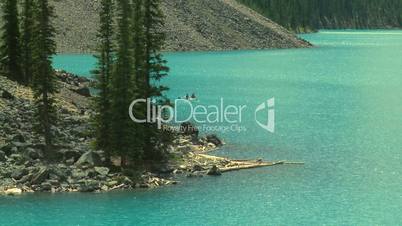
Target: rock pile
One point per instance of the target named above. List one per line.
(77, 84)
(202, 25)
(24, 162)
(26, 165)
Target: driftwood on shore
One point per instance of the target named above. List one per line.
(246, 166)
(227, 165)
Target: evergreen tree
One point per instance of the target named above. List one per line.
(138, 42)
(138, 66)
(44, 84)
(10, 51)
(103, 75)
(154, 70)
(123, 131)
(27, 40)
(138, 47)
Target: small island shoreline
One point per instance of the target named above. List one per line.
(23, 164)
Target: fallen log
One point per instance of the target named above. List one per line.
(294, 163)
(117, 187)
(249, 166)
(212, 157)
(235, 165)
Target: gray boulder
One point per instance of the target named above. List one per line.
(89, 158)
(103, 171)
(61, 172)
(19, 173)
(2, 156)
(8, 149)
(40, 176)
(78, 174)
(112, 183)
(17, 158)
(84, 91)
(214, 171)
(195, 174)
(214, 140)
(70, 154)
(88, 185)
(55, 183)
(19, 138)
(70, 161)
(34, 154)
(25, 179)
(197, 168)
(7, 95)
(46, 186)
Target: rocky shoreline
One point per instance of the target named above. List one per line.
(77, 168)
(23, 167)
(26, 172)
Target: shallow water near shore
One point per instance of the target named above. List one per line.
(338, 109)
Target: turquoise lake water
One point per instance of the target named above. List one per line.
(338, 109)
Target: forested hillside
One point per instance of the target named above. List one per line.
(307, 15)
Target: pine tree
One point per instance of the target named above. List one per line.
(138, 47)
(103, 75)
(27, 40)
(138, 66)
(123, 131)
(10, 51)
(44, 84)
(138, 41)
(154, 70)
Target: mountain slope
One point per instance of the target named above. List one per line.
(190, 25)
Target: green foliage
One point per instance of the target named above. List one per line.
(103, 75)
(154, 69)
(138, 42)
(306, 15)
(10, 51)
(138, 67)
(27, 40)
(44, 83)
(123, 129)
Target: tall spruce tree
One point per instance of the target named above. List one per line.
(10, 51)
(154, 69)
(27, 40)
(103, 74)
(139, 43)
(44, 84)
(138, 66)
(123, 131)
